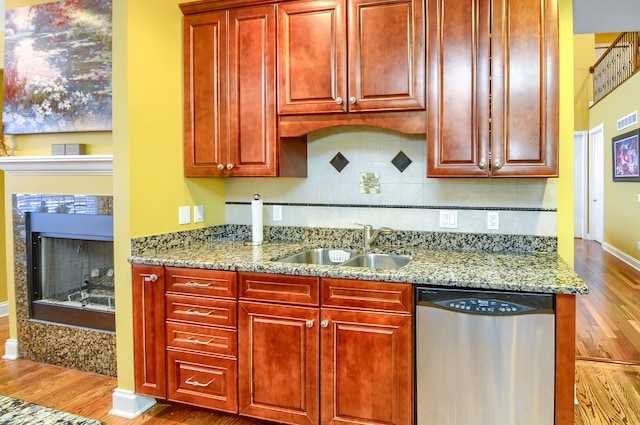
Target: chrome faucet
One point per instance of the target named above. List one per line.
(370, 235)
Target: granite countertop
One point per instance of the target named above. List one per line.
(540, 272)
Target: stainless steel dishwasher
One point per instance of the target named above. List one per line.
(484, 358)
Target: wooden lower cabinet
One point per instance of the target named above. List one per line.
(278, 362)
(148, 330)
(202, 380)
(276, 353)
(367, 368)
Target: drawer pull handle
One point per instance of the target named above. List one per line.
(309, 323)
(190, 381)
(151, 278)
(198, 342)
(197, 313)
(324, 323)
(198, 284)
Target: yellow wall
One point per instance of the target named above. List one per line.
(149, 185)
(621, 206)
(584, 46)
(4, 297)
(565, 181)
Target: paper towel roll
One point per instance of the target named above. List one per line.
(256, 220)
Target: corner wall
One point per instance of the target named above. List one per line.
(621, 206)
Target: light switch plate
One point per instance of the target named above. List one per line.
(277, 213)
(493, 220)
(449, 219)
(184, 215)
(198, 214)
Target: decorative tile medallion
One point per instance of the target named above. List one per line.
(369, 183)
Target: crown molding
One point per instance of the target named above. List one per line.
(101, 165)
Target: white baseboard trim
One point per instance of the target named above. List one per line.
(10, 349)
(622, 256)
(127, 404)
(4, 309)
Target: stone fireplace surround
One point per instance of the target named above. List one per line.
(72, 347)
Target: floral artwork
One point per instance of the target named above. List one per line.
(57, 75)
(625, 157)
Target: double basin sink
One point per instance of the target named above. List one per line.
(347, 258)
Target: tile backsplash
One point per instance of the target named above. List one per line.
(403, 200)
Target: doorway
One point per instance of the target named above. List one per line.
(596, 184)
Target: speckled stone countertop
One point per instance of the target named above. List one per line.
(516, 268)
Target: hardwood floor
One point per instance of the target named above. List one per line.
(607, 367)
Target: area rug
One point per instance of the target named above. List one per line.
(19, 412)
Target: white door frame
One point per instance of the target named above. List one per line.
(581, 184)
(596, 183)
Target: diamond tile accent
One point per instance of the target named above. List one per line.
(339, 162)
(401, 161)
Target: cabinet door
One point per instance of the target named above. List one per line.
(278, 362)
(386, 54)
(312, 49)
(366, 357)
(525, 88)
(458, 88)
(148, 330)
(252, 113)
(205, 94)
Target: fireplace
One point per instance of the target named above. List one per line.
(70, 273)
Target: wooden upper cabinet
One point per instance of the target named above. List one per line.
(252, 96)
(206, 132)
(230, 126)
(492, 88)
(362, 55)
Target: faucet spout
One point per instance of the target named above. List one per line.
(371, 235)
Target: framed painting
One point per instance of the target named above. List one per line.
(57, 75)
(625, 157)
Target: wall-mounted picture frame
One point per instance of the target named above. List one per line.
(626, 157)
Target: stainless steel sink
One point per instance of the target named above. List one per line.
(378, 261)
(320, 256)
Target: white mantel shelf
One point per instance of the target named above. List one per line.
(58, 165)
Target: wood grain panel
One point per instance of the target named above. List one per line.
(213, 283)
(208, 340)
(290, 289)
(202, 380)
(206, 311)
(368, 295)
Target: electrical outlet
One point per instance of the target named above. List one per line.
(449, 219)
(184, 215)
(198, 214)
(638, 244)
(277, 213)
(638, 197)
(493, 220)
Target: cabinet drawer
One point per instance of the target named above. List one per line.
(214, 283)
(367, 295)
(288, 289)
(206, 339)
(200, 380)
(207, 311)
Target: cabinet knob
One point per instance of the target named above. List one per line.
(229, 166)
(339, 100)
(220, 167)
(482, 165)
(153, 277)
(309, 323)
(324, 323)
(497, 165)
(353, 100)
